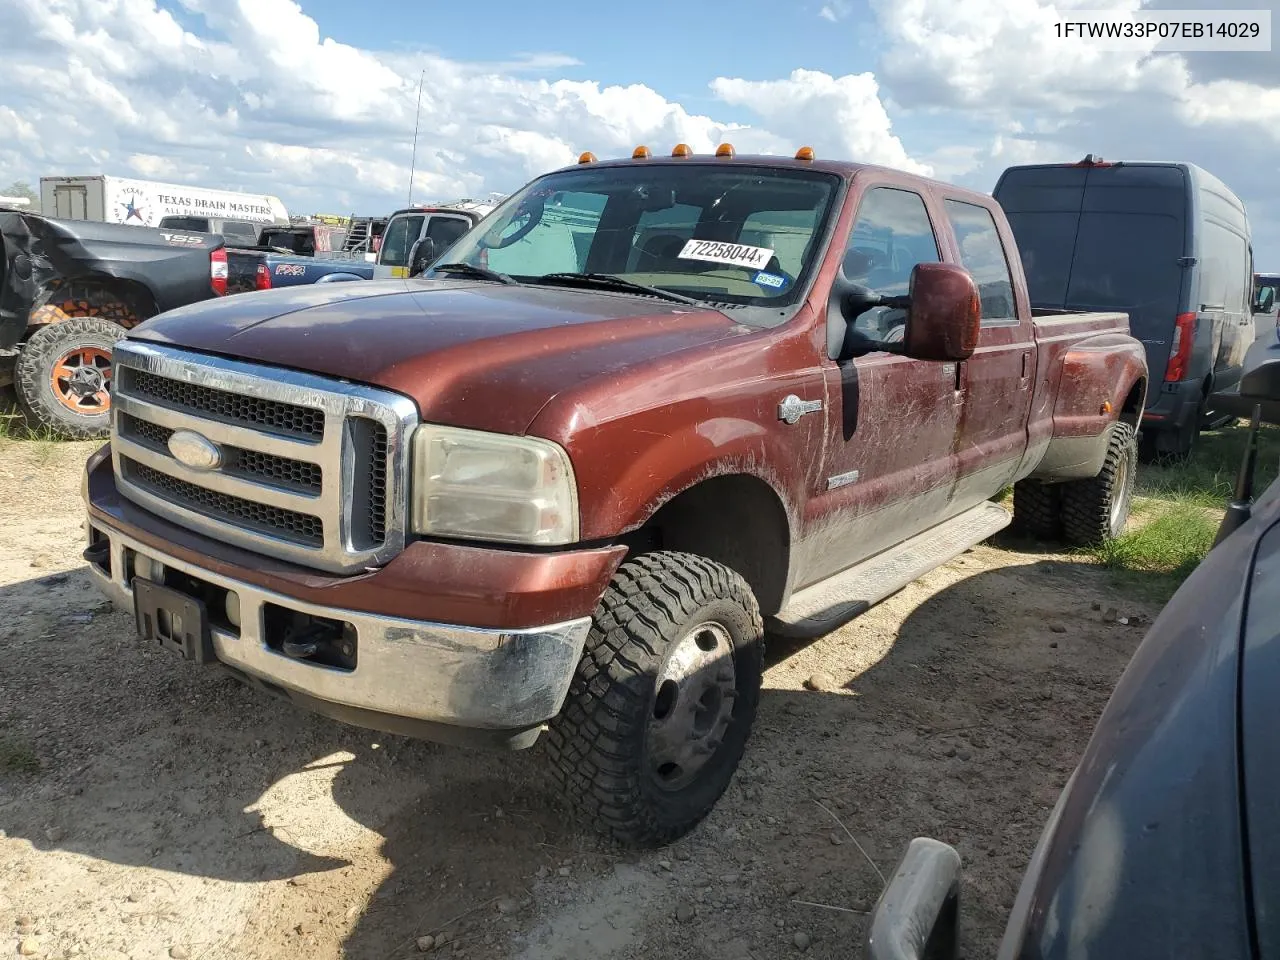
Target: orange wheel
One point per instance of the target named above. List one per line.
(63, 377)
(81, 380)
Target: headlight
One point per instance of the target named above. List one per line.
(487, 486)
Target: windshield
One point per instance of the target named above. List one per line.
(735, 236)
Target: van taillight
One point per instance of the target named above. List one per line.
(218, 271)
(262, 279)
(1184, 335)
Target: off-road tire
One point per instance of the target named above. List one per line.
(1087, 505)
(33, 376)
(598, 742)
(1037, 509)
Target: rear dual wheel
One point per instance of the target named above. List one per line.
(1086, 512)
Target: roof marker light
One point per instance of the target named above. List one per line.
(640, 153)
(804, 153)
(725, 150)
(587, 157)
(682, 150)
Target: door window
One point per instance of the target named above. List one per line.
(401, 234)
(446, 230)
(890, 236)
(982, 254)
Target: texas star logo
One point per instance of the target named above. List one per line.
(132, 210)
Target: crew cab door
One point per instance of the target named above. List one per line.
(995, 384)
(888, 470)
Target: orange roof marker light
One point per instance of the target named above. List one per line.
(725, 150)
(682, 150)
(640, 153)
(587, 157)
(804, 153)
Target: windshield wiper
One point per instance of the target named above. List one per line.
(607, 281)
(481, 273)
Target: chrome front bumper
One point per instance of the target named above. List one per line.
(429, 673)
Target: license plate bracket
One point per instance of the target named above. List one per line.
(175, 621)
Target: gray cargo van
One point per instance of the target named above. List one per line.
(1166, 242)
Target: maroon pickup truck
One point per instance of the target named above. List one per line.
(563, 484)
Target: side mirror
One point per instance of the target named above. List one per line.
(1259, 398)
(1259, 388)
(943, 313)
(422, 256)
(1265, 302)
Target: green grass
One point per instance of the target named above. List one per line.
(17, 756)
(1209, 478)
(1177, 508)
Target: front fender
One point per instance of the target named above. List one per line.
(719, 447)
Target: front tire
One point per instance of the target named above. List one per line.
(661, 705)
(63, 377)
(1097, 509)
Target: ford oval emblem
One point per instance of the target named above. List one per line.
(194, 451)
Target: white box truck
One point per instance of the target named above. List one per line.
(144, 203)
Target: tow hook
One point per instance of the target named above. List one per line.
(305, 644)
(97, 553)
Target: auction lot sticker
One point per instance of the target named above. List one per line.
(734, 254)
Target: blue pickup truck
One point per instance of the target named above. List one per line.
(258, 268)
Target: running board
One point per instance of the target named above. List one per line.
(831, 603)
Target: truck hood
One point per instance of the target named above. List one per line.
(472, 354)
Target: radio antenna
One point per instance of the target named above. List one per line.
(413, 162)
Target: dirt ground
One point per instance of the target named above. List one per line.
(150, 810)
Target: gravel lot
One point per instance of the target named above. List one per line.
(151, 810)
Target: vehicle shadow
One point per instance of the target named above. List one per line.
(958, 713)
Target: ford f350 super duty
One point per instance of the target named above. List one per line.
(562, 485)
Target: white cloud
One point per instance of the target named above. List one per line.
(996, 56)
(836, 11)
(843, 115)
(998, 65)
(257, 98)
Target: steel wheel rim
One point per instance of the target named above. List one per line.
(1120, 502)
(81, 380)
(692, 706)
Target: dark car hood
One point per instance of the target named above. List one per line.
(1144, 857)
(480, 355)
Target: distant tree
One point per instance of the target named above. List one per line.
(20, 188)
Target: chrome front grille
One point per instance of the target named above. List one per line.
(311, 469)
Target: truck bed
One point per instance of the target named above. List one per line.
(286, 269)
(1055, 325)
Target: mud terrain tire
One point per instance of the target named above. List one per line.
(1037, 509)
(1096, 510)
(661, 705)
(57, 372)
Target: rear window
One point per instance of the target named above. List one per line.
(1095, 237)
(1125, 260)
(195, 224)
(240, 231)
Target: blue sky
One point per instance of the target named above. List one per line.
(313, 100)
